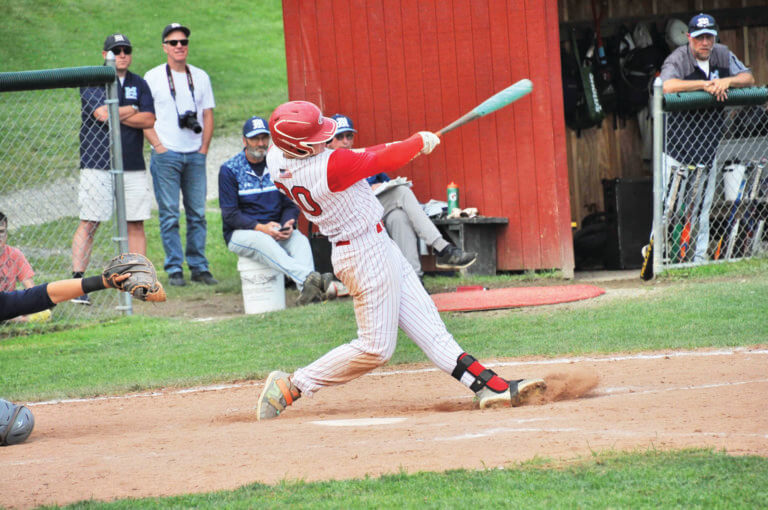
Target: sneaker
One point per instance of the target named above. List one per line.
(519, 392)
(177, 279)
(83, 300)
(312, 289)
(278, 393)
(333, 288)
(455, 258)
(204, 277)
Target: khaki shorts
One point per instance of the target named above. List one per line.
(96, 196)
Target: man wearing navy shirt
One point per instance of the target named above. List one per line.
(96, 192)
(259, 221)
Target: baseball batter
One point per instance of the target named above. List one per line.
(329, 187)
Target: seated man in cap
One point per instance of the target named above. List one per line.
(693, 136)
(259, 222)
(404, 217)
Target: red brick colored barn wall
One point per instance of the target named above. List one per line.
(400, 66)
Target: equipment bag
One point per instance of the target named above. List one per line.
(582, 103)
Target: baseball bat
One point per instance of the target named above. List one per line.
(753, 206)
(738, 215)
(757, 238)
(497, 101)
(679, 214)
(739, 218)
(731, 216)
(646, 271)
(685, 235)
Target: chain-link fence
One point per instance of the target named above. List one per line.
(46, 136)
(711, 180)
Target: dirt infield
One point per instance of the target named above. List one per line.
(413, 418)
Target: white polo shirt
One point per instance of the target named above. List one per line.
(167, 112)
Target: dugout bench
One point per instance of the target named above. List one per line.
(476, 234)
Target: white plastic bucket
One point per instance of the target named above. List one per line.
(263, 287)
(732, 176)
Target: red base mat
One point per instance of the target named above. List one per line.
(512, 297)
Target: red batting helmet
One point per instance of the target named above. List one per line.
(297, 124)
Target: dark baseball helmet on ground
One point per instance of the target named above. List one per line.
(16, 423)
(296, 125)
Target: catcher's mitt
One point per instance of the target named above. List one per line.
(142, 284)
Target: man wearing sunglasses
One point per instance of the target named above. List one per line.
(96, 194)
(404, 217)
(180, 139)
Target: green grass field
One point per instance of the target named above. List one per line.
(241, 46)
(650, 479)
(687, 311)
(239, 43)
(97, 359)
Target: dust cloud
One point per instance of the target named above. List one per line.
(569, 385)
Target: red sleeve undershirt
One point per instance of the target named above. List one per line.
(346, 167)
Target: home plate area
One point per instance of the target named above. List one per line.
(405, 418)
(467, 299)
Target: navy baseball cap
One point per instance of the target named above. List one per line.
(255, 126)
(175, 26)
(343, 124)
(702, 24)
(115, 40)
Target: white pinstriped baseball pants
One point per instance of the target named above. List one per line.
(387, 294)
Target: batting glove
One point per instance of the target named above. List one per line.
(430, 139)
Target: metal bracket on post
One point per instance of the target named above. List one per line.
(116, 153)
(659, 237)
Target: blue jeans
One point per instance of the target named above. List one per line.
(292, 257)
(173, 172)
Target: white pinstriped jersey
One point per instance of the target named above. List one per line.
(340, 215)
(385, 289)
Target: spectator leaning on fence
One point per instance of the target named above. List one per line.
(692, 137)
(96, 193)
(404, 217)
(180, 139)
(259, 221)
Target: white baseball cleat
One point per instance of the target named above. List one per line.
(519, 393)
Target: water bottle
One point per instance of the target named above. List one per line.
(453, 196)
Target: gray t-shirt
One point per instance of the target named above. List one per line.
(693, 136)
(681, 64)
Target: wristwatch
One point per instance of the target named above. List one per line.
(135, 108)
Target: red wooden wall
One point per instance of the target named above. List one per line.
(401, 66)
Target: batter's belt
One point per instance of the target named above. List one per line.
(379, 228)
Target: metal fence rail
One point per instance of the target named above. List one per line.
(710, 176)
(40, 124)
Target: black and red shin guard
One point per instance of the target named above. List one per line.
(483, 377)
